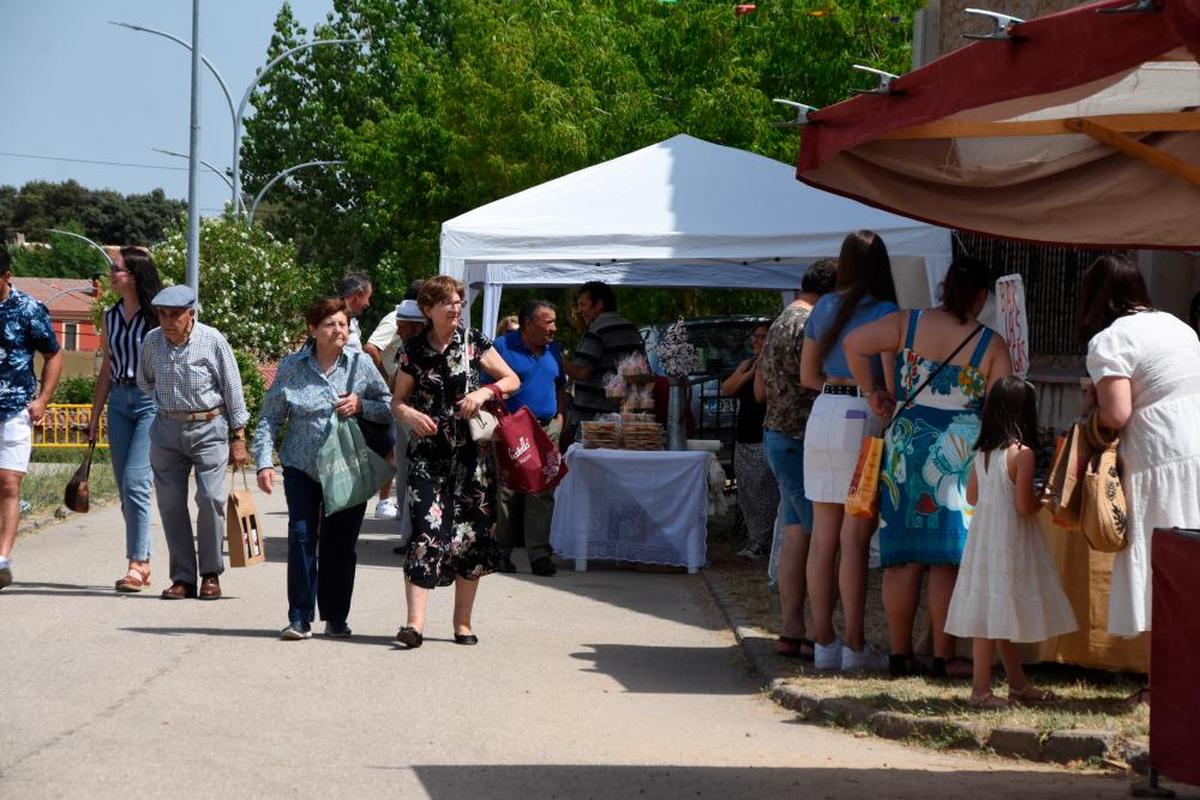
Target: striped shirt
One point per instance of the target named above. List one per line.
(197, 375)
(125, 341)
(608, 339)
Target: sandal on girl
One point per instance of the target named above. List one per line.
(1030, 695)
(794, 647)
(987, 702)
(135, 580)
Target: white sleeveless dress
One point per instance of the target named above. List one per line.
(1008, 586)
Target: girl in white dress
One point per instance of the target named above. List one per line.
(1007, 589)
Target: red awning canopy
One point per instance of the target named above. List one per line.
(1080, 129)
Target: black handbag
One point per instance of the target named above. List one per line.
(377, 435)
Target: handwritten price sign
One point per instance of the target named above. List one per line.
(1010, 299)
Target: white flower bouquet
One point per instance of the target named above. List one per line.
(677, 354)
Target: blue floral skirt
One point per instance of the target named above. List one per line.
(923, 510)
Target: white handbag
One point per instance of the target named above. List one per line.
(483, 424)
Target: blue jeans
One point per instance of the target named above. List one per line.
(785, 455)
(322, 552)
(130, 412)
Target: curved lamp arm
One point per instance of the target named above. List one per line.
(258, 197)
(103, 252)
(204, 58)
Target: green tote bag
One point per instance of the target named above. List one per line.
(350, 472)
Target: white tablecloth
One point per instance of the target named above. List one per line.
(629, 505)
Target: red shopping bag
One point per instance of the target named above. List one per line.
(529, 460)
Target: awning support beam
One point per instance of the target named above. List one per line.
(1143, 152)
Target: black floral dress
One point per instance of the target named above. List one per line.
(451, 476)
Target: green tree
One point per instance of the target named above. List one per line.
(457, 103)
(59, 257)
(102, 215)
(251, 288)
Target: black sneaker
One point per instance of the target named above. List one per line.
(543, 566)
(339, 630)
(506, 563)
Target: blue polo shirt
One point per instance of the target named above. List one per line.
(540, 375)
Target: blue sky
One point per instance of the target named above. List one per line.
(73, 86)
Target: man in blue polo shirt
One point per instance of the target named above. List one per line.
(533, 354)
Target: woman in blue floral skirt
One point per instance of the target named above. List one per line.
(929, 449)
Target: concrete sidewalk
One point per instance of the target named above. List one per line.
(601, 684)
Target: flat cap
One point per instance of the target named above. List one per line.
(409, 311)
(180, 296)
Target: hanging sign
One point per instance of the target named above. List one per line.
(1014, 324)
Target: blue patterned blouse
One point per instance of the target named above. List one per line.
(303, 397)
(24, 329)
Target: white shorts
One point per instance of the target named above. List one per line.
(16, 442)
(832, 440)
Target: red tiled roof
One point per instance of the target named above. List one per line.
(268, 372)
(67, 298)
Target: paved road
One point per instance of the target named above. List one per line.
(602, 684)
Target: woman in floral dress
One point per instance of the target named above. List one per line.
(451, 477)
(929, 449)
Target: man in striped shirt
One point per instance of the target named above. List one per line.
(608, 339)
(189, 370)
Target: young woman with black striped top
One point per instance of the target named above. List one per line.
(130, 410)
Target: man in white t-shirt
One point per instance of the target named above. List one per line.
(385, 344)
(355, 288)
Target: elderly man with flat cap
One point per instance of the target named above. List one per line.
(188, 369)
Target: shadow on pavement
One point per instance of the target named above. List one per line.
(371, 552)
(598, 781)
(260, 633)
(71, 590)
(671, 670)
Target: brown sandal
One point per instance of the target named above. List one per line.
(1030, 695)
(134, 581)
(987, 702)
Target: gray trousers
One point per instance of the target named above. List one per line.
(175, 449)
(530, 513)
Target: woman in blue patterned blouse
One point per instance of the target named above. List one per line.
(310, 385)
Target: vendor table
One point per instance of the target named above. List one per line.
(627, 505)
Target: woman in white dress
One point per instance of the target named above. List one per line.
(1145, 366)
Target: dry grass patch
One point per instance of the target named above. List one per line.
(1092, 700)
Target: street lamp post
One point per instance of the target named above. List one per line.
(237, 114)
(258, 197)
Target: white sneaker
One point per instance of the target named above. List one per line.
(828, 656)
(5, 572)
(385, 509)
(866, 660)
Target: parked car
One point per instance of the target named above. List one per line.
(721, 344)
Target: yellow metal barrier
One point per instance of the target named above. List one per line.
(66, 424)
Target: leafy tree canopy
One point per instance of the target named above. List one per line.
(456, 103)
(105, 216)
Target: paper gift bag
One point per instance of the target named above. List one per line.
(862, 500)
(1063, 493)
(241, 529)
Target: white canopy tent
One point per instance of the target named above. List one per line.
(683, 212)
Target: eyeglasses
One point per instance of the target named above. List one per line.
(451, 304)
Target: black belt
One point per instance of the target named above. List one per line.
(849, 390)
(124, 381)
